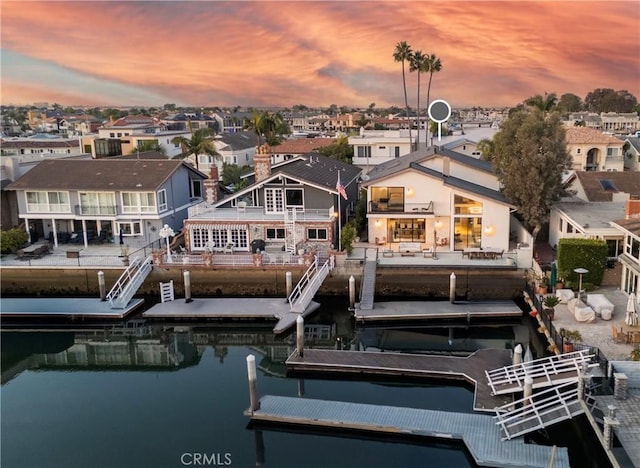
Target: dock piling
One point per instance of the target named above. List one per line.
(300, 387)
(300, 335)
(102, 286)
(187, 286)
(528, 390)
(352, 292)
(517, 355)
(253, 383)
(452, 288)
(289, 282)
(259, 448)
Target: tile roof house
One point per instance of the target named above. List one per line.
(288, 207)
(437, 197)
(101, 198)
(592, 150)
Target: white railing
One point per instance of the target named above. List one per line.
(539, 410)
(129, 282)
(257, 213)
(309, 284)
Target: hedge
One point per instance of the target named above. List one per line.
(590, 254)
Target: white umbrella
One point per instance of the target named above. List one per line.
(632, 314)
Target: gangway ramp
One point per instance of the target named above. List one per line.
(368, 287)
(540, 410)
(308, 286)
(544, 372)
(129, 282)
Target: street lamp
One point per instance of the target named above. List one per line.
(165, 233)
(580, 271)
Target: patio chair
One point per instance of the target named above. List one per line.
(618, 335)
(228, 248)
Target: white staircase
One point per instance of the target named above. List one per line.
(129, 282)
(290, 240)
(539, 411)
(544, 372)
(308, 285)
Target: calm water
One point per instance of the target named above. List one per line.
(162, 397)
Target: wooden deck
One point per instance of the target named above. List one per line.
(63, 308)
(434, 310)
(470, 369)
(231, 309)
(479, 432)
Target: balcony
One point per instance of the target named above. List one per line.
(204, 211)
(383, 205)
(95, 210)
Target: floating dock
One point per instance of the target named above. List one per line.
(470, 369)
(479, 432)
(231, 309)
(438, 310)
(64, 308)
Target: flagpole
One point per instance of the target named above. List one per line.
(339, 217)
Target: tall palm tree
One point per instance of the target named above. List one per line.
(199, 143)
(148, 145)
(402, 53)
(545, 103)
(433, 65)
(418, 63)
(268, 125)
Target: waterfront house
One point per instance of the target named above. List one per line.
(290, 149)
(438, 197)
(373, 147)
(592, 150)
(285, 207)
(630, 256)
(96, 200)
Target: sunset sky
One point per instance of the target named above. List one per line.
(273, 53)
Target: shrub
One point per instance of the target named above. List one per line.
(347, 236)
(582, 253)
(12, 240)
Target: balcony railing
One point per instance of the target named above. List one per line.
(93, 210)
(253, 213)
(383, 206)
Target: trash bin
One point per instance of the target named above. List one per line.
(257, 245)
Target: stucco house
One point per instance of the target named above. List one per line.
(292, 148)
(629, 226)
(373, 147)
(287, 207)
(592, 150)
(98, 199)
(439, 197)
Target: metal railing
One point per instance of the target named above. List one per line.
(308, 285)
(410, 208)
(129, 282)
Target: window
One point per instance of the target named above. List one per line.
(48, 202)
(133, 228)
(578, 151)
(396, 152)
(275, 233)
(138, 202)
(317, 234)
(382, 147)
(97, 203)
(612, 152)
(295, 198)
(199, 238)
(463, 205)
(364, 151)
(162, 200)
(196, 188)
(274, 202)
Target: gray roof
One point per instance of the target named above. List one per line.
(239, 140)
(635, 142)
(592, 215)
(320, 170)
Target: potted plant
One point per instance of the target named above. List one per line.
(569, 338)
(124, 254)
(537, 281)
(560, 283)
(550, 302)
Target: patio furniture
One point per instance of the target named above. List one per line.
(409, 249)
(618, 335)
(602, 306)
(228, 248)
(427, 253)
(581, 311)
(565, 295)
(387, 253)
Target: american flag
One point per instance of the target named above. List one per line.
(340, 188)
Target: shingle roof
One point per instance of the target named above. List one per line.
(301, 146)
(52, 143)
(98, 174)
(628, 182)
(635, 142)
(632, 225)
(238, 140)
(586, 135)
(320, 170)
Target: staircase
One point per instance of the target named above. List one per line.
(129, 282)
(308, 285)
(368, 288)
(290, 240)
(539, 411)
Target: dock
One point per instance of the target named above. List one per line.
(470, 369)
(231, 309)
(437, 310)
(479, 432)
(64, 308)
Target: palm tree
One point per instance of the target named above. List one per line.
(148, 145)
(199, 143)
(401, 53)
(268, 125)
(433, 65)
(545, 103)
(418, 63)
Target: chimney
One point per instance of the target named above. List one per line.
(445, 166)
(211, 185)
(262, 164)
(632, 209)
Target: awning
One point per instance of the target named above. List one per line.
(221, 227)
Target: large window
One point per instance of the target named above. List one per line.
(466, 206)
(317, 234)
(162, 200)
(133, 228)
(385, 199)
(364, 151)
(407, 230)
(275, 233)
(138, 202)
(97, 203)
(196, 188)
(48, 202)
(295, 198)
(274, 202)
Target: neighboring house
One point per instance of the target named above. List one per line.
(101, 198)
(236, 148)
(630, 256)
(290, 149)
(599, 198)
(232, 122)
(41, 145)
(438, 196)
(592, 150)
(632, 154)
(373, 147)
(290, 207)
(611, 122)
(184, 122)
(466, 141)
